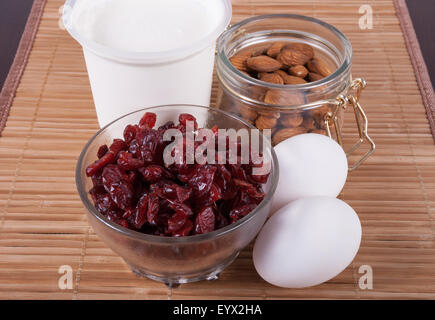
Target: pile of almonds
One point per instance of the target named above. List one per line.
(283, 63)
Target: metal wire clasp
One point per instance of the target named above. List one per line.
(331, 120)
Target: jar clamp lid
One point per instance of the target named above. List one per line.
(331, 120)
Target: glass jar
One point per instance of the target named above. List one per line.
(289, 110)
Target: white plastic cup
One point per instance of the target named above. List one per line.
(123, 81)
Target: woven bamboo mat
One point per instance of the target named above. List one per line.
(43, 225)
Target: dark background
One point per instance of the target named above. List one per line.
(13, 16)
(422, 13)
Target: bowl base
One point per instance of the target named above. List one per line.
(174, 282)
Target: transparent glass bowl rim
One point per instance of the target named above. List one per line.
(345, 65)
(273, 178)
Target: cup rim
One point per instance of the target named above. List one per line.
(344, 66)
(274, 176)
(146, 57)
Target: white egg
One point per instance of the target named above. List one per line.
(309, 165)
(307, 242)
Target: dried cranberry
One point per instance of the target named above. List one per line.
(97, 179)
(166, 126)
(146, 155)
(224, 180)
(100, 164)
(205, 221)
(153, 208)
(181, 208)
(215, 193)
(148, 120)
(202, 180)
(215, 129)
(130, 133)
(102, 200)
(105, 204)
(169, 190)
(184, 230)
(134, 148)
(123, 223)
(241, 211)
(115, 217)
(117, 146)
(152, 141)
(132, 177)
(127, 162)
(260, 178)
(251, 189)
(118, 186)
(102, 151)
(111, 174)
(139, 217)
(128, 213)
(154, 173)
(176, 221)
(184, 171)
(237, 172)
(122, 194)
(185, 117)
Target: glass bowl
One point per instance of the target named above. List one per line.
(168, 259)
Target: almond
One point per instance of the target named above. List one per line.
(270, 114)
(304, 48)
(263, 64)
(275, 49)
(239, 62)
(245, 52)
(318, 115)
(282, 73)
(293, 80)
(274, 96)
(286, 133)
(309, 123)
(247, 112)
(289, 57)
(298, 71)
(271, 77)
(261, 50)
(256, 92)
(291, 120)
(319, 66)
(282, 98)
(314, 77)
(263, 122)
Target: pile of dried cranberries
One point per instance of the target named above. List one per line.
(133, 187)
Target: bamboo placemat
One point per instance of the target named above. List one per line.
(43, 225)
